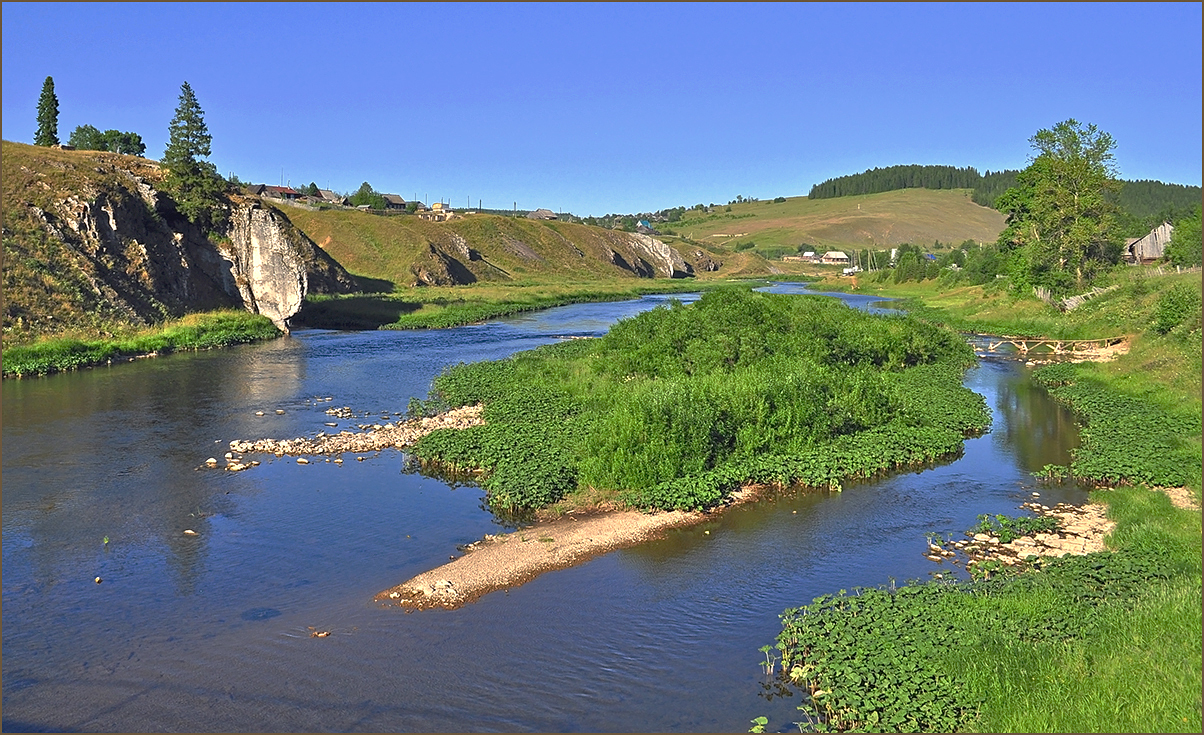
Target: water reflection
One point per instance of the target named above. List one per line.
(1037, 433)
(210, 632)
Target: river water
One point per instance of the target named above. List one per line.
(211, 632)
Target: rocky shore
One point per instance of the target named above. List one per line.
(376, 437)
(1081, 530)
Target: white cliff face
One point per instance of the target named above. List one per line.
(114, 248)
(272, 265)
(667, 261)
(265, 266)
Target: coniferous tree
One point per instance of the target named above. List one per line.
(193, 182)
(48, 116)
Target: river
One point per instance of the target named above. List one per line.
(212, 631)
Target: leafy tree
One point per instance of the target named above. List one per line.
(121, 142)
(1186, 247)
(88, 138)
(194, 183)
(48, 115)
(311, 190)
(369, 196)
(1061, 215)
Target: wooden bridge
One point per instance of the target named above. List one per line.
(1056, 346)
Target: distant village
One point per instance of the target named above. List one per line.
(393, 204)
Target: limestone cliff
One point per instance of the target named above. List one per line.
(272, 265)
(90, 242)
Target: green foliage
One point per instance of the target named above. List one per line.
(194, 183)
(1146, 204)
(1009, 529)
(88, 138)
(891, 178)
(1176, 306)
(1061, 219)
(366, 195)
(48, 115)
(886, 660)
(1126, 439)
(205, 331)
(1186, 247)
(678, 406)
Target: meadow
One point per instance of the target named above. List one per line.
(193, 332)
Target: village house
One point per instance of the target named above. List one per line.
(438, 212)
(394, 202)
(330, 197)
(275, 192)
(835, 257)
(1149, 248)
(541, 214)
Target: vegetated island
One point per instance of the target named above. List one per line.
(680, 410)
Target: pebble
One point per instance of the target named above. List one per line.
(280, 412)
(212, 461)
(302, 460)
(189, 532)
(259, 413)
(98, 580)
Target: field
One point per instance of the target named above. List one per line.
(884, 220)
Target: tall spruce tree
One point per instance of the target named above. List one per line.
(193, 182)
(48, 115)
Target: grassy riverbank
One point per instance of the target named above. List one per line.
(193, 332)
(437, 307)
(1108, 642)
(678, 406)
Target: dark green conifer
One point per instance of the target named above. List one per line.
(48, 116)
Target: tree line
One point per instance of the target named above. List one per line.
(914, 176)
(193, 182)
(1143, 204)
(84, 137)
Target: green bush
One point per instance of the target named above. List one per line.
(1176, 306)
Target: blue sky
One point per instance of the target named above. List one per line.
(599, 108)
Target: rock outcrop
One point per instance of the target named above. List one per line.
(89, 240)
(273, 265)
(667, 261)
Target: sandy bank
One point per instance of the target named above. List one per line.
(510, 559)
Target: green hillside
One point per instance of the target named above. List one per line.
(883, 220)
(406, 251)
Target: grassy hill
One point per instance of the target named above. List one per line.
(884, 220)
(492, 248)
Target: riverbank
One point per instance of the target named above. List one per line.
(499, 562)
(1102, 641)
(440, 307)
(193, 332)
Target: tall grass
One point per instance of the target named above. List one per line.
(197, 331)
(677, 406)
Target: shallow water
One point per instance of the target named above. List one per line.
(212, 632)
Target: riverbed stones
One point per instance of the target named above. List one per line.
(374, 438)
(1082, 531)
